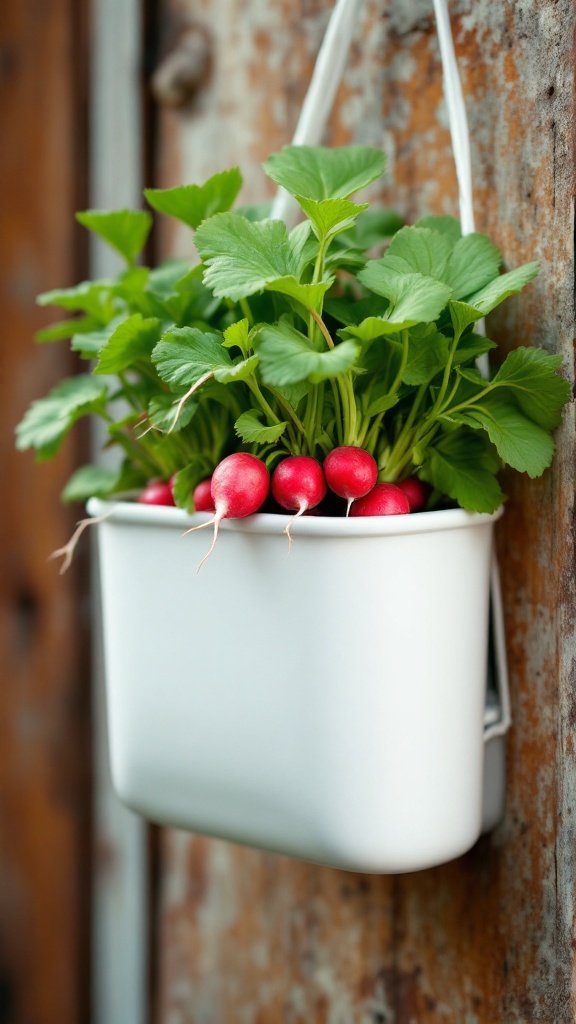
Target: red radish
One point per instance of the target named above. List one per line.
(239, 487)
(382, 500)
(156, 493)
(350, 472)
(298, 484)
(202, 496)
(416, 491)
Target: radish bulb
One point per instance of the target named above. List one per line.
(239, 487)
(157, 492)
(298, 484)
(350, 472)
(202, 496)
(382, 500)
(416, 491)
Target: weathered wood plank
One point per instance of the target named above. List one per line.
(246, 937)
(44, 711)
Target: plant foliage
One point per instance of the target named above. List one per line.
(350, 329)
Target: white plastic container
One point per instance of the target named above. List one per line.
(325, 702)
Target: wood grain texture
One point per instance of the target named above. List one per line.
(248, 938)
(44, 738)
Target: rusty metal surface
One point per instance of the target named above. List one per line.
(44, 676)
(249, 938)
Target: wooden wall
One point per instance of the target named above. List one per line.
(243, 937)
(44, 671)
(250, 938)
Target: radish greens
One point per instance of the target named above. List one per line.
(348, 330)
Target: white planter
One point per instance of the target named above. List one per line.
(325, 702)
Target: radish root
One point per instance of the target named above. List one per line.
(303, 508)
(188, 395)
(215, 522)
(67, 552)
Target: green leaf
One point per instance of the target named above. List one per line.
(330, 216)
(473, 263)
(90, 482)
(427, 354)
(287, 358)
(353, 313)
(242, 257)
(90, 344)
(308, 295)
(463, 467)
(255, 211)
(88, 297)
(184, 297)
(317, 172)
(199, 468)
(186, 354)
(131, 283)
(448, 226)
(124, 230)
(237, 336)
(521, 443)
(420, 251)
(162, 410)
(303, 245)
(539, 390)
(294, 394)
(194, 203)
(413, 299)
(372, 227)
(49, 419)
(163, 279)
(470, 347)
(381, 402)
(250, 429)
(494, 293)
(241, 370)
(462, 315)
(132, 341)
(345, 259)
(474, 376)
(65, 329)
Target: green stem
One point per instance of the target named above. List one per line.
(310, 416)
(370, 436)
(252, 384)
(405, 440)
(398, 378)
(247, 311)
(400, 466)
(129, 393)
(470, 401)
(401, 453)
(447, 371)
(148, 460)
(319, 264)
(326, 333)
(319, 412)
(349, 409)
(337, 411)
(287, 408)
(455, 387)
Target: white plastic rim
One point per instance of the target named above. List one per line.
(324, 701)
(307, 526)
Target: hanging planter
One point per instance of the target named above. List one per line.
(319, 689)
(325, 702)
